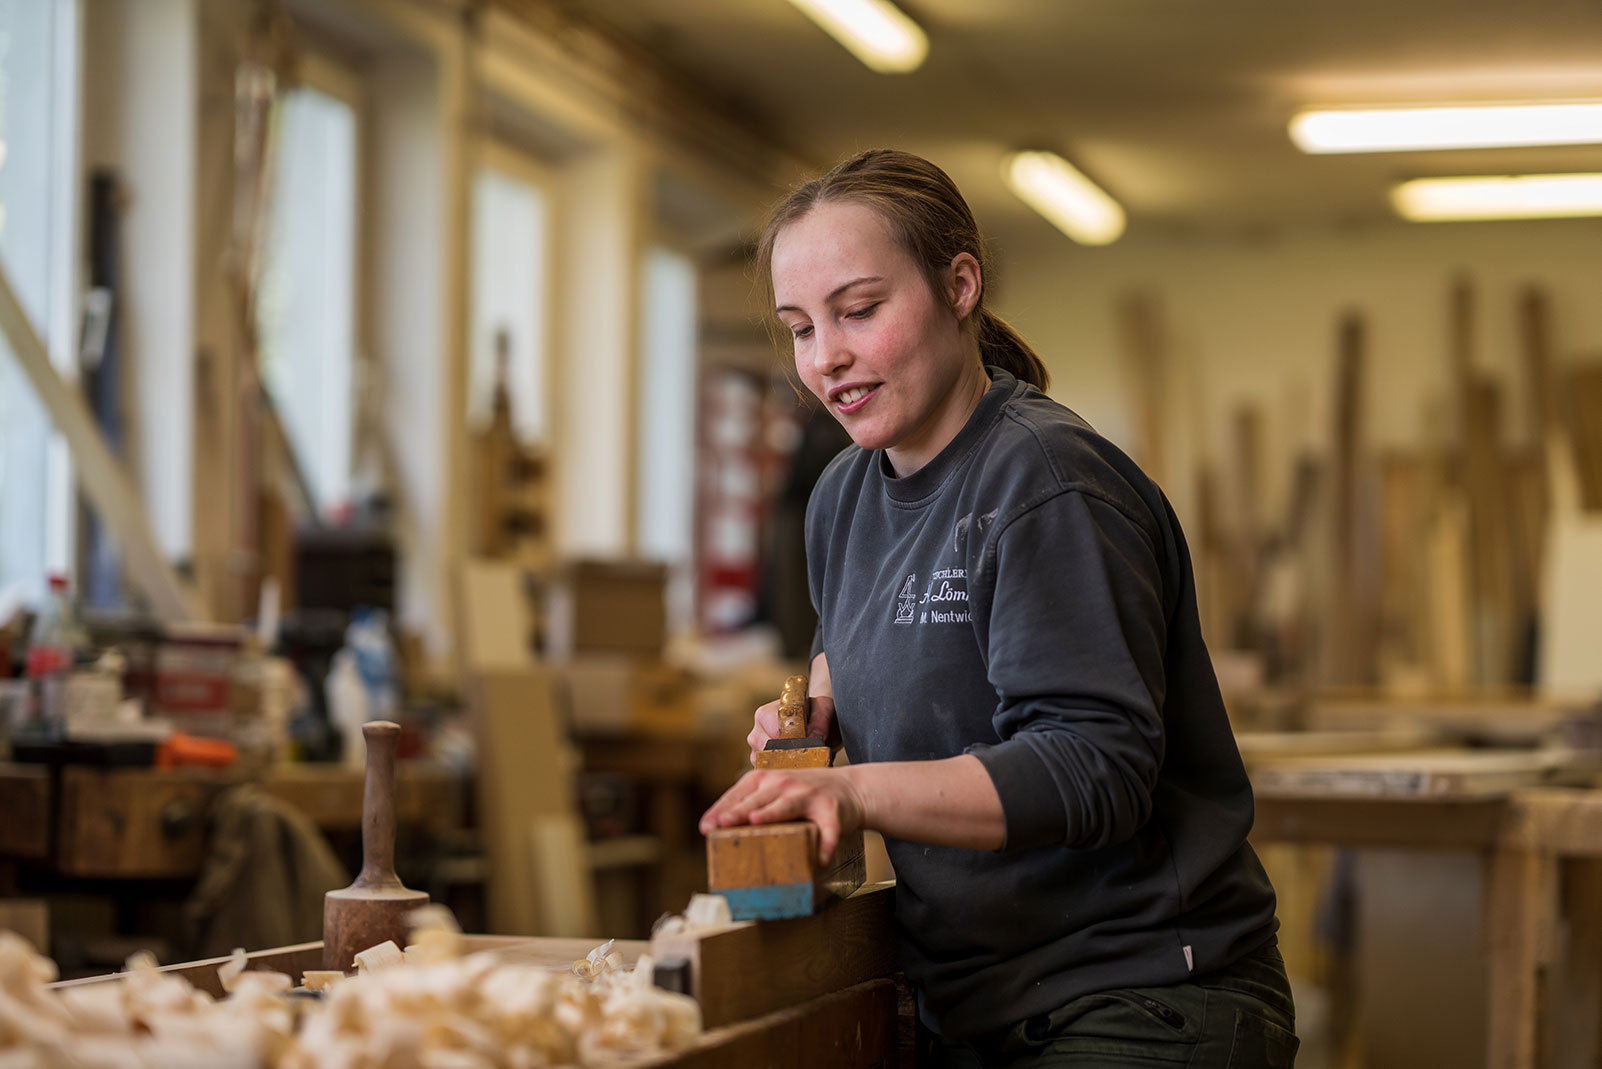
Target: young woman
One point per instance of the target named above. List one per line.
(1008, 647)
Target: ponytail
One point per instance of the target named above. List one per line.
(1002, 346)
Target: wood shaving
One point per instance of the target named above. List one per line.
(463, 1012)
(598, 961)
(704, 912)
(383, 956)
(320, 979)
(229, 970)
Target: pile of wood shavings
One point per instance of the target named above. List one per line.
(430, 1007)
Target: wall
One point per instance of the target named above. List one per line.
(1255, 321)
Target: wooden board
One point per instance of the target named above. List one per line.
(1513, 717)
(850, 1029)
(1429, 823)
(1459, 774)
(757, 967)
(1266, 746)
(1571, 612)
(854, 1027)
(525, 797)
(296, 959)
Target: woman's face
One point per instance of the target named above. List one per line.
(885, 354)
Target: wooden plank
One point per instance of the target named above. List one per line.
(25, 801)
(1521, 910)
(497, 623)
(1461, 774)
(525, 777)
(293, 960)
(753, 968)
(1144, 349)
(1264, 746)
(1511, 717)
(100, 474)
(1571, 612)
(850, 1029)
(1582, 410)
(202, 975)
(1420, 823)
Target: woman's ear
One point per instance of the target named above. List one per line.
(964, 284)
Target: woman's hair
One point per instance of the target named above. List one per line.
(928, 216)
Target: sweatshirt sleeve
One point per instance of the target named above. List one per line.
(1075, 650)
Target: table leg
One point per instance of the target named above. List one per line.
(1521, 911)
(1580, 1006)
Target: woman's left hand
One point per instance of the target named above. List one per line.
(825, 796)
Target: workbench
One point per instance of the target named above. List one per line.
(1534, 843)
(795, 994)
(145, 823)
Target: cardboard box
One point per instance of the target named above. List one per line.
(623, 694)
(608, 607)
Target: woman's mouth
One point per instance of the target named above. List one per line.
(853, 398)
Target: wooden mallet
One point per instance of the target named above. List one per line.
(770, 871)
(374, 907)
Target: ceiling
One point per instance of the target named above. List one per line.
(1178, 108)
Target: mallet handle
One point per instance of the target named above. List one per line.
(378, 806)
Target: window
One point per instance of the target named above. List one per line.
(509, 314)
(38, 72)
(665, 499)
(306, 303)
(667, 406)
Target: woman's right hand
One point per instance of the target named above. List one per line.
(820, 724)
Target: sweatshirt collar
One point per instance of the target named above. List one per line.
(912, 489)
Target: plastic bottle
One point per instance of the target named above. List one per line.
(57, 636)
(348, 707)
(367, 638)
(53, 648)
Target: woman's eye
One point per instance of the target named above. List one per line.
(864, 312)
(800, 333)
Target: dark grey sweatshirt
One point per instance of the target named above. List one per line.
(1027, 597)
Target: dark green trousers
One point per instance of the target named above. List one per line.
(1240, 1017)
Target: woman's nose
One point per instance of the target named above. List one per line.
(830, 351)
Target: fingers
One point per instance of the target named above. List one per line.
(769, 797)
(821, 722)
(765, 726)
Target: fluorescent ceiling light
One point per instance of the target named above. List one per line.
(1523, 196)
(1412, 129)
(875, 31)
(1073, 203)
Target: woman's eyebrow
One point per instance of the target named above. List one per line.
(841, 288)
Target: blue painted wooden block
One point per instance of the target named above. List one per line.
(774, 901)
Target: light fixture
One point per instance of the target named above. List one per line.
(875, 31)
(1071, 202)
(1457, 126)
(1520, 196)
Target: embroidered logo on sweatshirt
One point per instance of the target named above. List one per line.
(945, 599)
(907, 599)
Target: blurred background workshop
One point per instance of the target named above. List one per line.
(402, 360)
